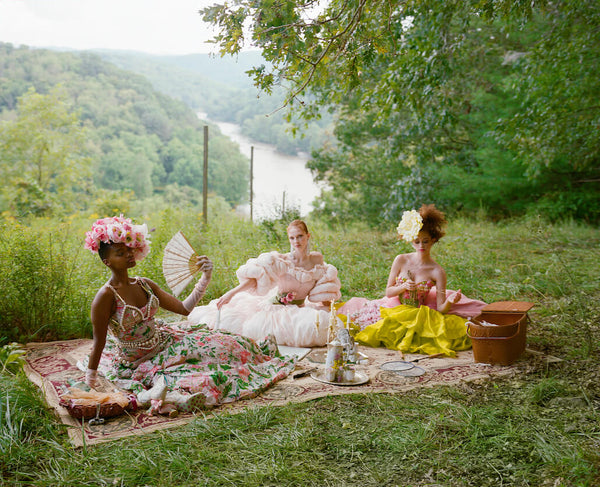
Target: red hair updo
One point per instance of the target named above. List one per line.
(433, 221)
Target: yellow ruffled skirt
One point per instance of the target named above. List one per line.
(417, 330)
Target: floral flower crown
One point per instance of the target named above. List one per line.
(117, 229)
(410, 225)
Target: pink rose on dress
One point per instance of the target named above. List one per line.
(367, 315)
(212, 394)
(244, 356)
(243, 372)
(285, 298)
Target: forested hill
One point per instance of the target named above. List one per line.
(227, 70)
(115, 131)
(221, 88)
(189, 82)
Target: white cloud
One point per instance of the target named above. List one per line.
(154, 26)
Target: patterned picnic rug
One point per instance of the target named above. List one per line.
(52, 365)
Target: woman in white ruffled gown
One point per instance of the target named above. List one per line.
(284, 295)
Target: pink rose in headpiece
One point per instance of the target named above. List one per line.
(115, 232)
(141, 235)
(130, 237)
(91, 243)
(98, 232)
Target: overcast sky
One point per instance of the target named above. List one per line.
(152, 26)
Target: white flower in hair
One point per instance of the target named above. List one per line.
(410, 225)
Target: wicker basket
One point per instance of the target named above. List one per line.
(88, 411)
(108, 410)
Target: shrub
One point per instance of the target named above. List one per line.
(41, 277)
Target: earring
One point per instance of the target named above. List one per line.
(308, 247)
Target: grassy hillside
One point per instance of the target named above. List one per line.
(540, 428)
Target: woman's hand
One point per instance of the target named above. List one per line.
(223, 300)
(206, 266)
(91, 378)
(448, 302)
(456, 298)
(199, 290)
(228, 296)
(408, 285)
(398, 289)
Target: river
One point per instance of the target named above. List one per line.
(279, 179)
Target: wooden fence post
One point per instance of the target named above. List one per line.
(251, 180)
(205, 178)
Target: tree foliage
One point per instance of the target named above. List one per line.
(470, 104)
(45, 163)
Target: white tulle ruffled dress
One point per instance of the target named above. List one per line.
(258, 314)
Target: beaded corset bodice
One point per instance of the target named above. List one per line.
(134, 329)
(415, 298)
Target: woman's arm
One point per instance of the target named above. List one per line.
(246, 285)
(443, 305)
(392, 289)
(167, 301)
(171, 303)
(101, 311)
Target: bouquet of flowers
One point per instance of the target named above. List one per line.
(284, 298)
(410, 225)
(367, 315)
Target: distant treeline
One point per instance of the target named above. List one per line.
(221, 88)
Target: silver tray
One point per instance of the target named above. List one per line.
(359, 379)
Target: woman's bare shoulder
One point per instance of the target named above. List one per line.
(402, 259)
(438, 271)
(316, 258)
(149, 282)
(104, 295)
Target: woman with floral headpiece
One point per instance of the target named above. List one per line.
(169, 367)
(285, 295)
(418, 314)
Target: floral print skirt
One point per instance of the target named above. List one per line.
(222, 366)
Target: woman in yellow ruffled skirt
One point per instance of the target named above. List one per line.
(413, 327)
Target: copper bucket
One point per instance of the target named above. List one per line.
(504, 343)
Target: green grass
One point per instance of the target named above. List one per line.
(540, 428)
